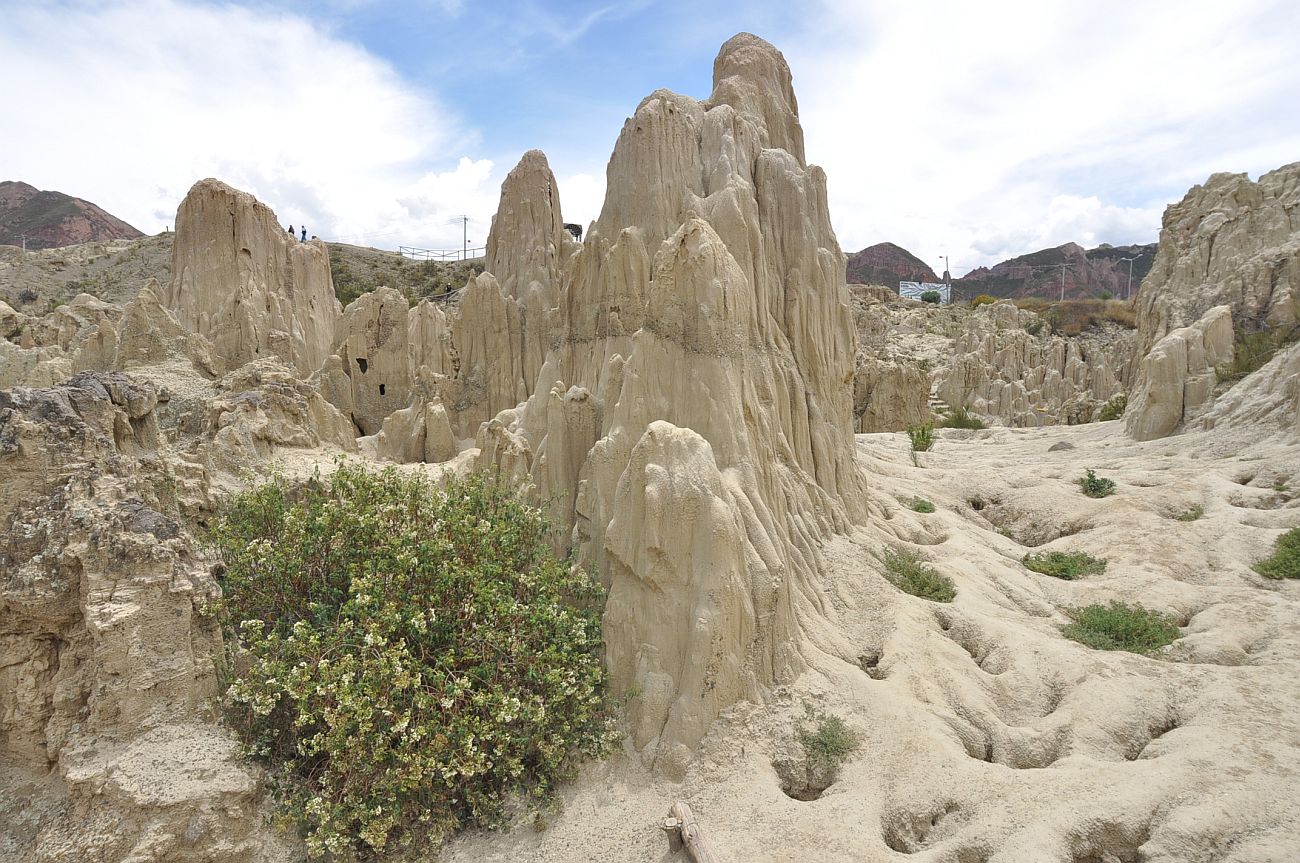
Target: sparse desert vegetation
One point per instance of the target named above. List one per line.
(909, 572)
(1067, 565)
(1284, 562)
(1096, 486)
(1121, 626)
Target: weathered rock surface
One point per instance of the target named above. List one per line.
(263, 406)
(700, 389)
(1231, 241)
(374, 353)
(240, 280)
(145, 335)
(1176, 378)
(106, 654)
(999, 369)
(889, 396)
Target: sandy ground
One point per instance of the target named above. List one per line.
(985, 734)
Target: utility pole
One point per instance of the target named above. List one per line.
(1129, 289)
(1063, 268)
(24, 242)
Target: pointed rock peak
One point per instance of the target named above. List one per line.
(526, 244)
(751, 75)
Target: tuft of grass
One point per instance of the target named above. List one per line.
(1191, 514)
(1114, 408)
(1096, 486)
(917, 504)
(909, 572)
(960, 418)
(982, 300)
(922, 437)
(1120, 626)
(1285, 560)
(825, 738)
(1068, 565)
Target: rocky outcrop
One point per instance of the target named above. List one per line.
(420, 433)
(374, 353)
(696, 407)
(1228, 242)
(146, 334)
(1176, 378)
(889, 396)
(1000, 369)
(264, 406)
(1269, 397)
(106, 649)
(241, 281)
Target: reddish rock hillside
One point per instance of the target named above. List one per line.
(52, 219)
(887, 264)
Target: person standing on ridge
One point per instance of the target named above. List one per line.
(304, 235)
(291, 230)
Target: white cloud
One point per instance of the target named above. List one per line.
(128, 104)
(984, 130)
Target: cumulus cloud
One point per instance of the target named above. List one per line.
(988, 130)
(129, 104)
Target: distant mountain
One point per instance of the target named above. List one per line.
(53, 219)
(887, 264)
(1088, 273)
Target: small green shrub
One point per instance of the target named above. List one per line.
(960, 418)
(982, 300)
(918, 504)
(909, 572)
(405, 659)
(930, 297)
(1285, 560)
(826, 739)
(1119, 626)
(1096, 486)
(1191, 514)
(1068, 565)
(922, 437)
(1035, 326)
(1114, 408)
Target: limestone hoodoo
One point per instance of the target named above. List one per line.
(695, 413)
(239, 279)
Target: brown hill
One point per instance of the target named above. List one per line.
(887, 264)
(50, 220)
(1089, 273)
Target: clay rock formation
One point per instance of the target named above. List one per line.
(1269, 397)
(263, 406)
(1176, 379)
(998, 368)
(695, 412)
(108, 652)
(1231, 241)
(420, 433)
(146, 334)
(889, 396)
(503, 324)
(242, 282)
(374, 354)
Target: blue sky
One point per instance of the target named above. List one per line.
(979, 131)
